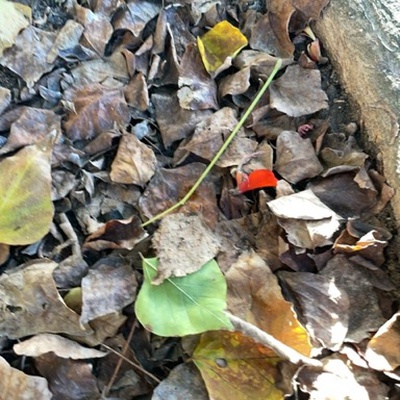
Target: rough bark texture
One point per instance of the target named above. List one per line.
(362, 38)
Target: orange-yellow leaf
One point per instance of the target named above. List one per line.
(233, 366)
(219, 46)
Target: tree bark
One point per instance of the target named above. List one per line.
(362, 38)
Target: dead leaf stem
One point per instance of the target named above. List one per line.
(221, 150)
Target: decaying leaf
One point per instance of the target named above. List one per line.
(182, 306)
(226, 360)
(26, 210)
(255, 295)
(16, 384)
(46, 342)
(31, 303)
(135, 163)
(184, 244)
(13, 18)
(219, 46)
(298, 92)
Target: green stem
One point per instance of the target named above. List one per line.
(221, 150)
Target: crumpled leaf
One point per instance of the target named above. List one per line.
(116, 234)
(27, 58)
(26, 209)
(68, 379)
(324, 306)
(31, 303)
(135, 163)
(13, 18)
(219, 46)
(197, 90)
(235, 84)
(308, 222)
(236, 367)
(210, 135)
(96, 110)
(109, 286)
(341, 379)
(182, 306)
(254, 295)
(184, 244)
(295, 157)
(46, 342)
(298, 92)
(383, 350)
(15, 384)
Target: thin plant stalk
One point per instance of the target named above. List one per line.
(221, 150)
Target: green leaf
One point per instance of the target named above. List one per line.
(26, 209)
(183, 306)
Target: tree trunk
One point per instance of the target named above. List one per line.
(362, 38)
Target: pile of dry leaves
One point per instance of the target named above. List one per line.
(112, 111)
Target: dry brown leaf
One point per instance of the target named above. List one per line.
(135, 163)
(364, 312)
(340, 379)
(211, 133)
(116, 234)
(298, 92)
(197, 90)
(96, 110)
(295, 157)
(184, 244)
(184, 120)
(136, 92)
(68, 379)
(383, 350)
(109, 286)
(27, 58)
(324, 306)
(236, 83)
(254, 295)
(5, 98)
(33, 305)
(15, 384)
(46, 342)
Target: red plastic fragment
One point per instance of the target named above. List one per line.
(255, 180)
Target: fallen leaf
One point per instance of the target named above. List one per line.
(254, 295)
(109, 286)
(235, 84)
(136, 92)
(211, 133)
(219, 46)
(26, 209)
(68, 379)
(234, 366)
(183, 244)
(298, 92)
(383, 350)
(13, 18)
(15, 384)
(324, 306)
(182, 306)
(135, 163)
(97, 109)
(295, 157)
(46, 342)
(197, 90)
(38, 308)
(116, 234)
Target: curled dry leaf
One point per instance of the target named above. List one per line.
(15, 384)
(96, 110)
(298, 92)
(295, 157)
(135, 163)
(46, 342)
(184, 244)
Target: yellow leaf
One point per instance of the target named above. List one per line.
(219, 46)
(26, 209)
